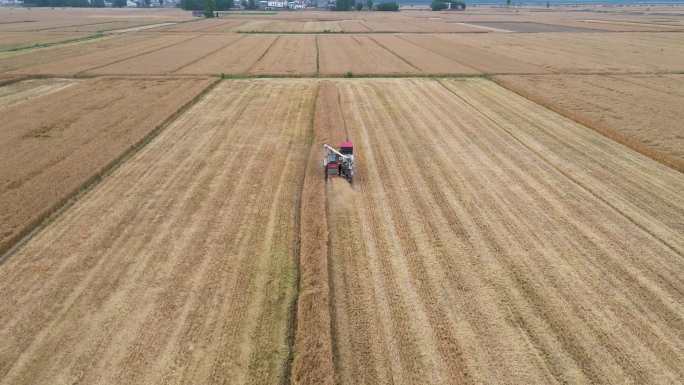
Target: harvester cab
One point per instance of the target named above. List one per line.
(339, 162)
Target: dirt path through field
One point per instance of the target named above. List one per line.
(180, 267)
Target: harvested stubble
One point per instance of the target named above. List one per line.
(180, 266)
(313, 358)
(25, 59)
(14, 40)
(39, 19)
(475, 57)
(81, 62)
(579, 52)
(236, 58)
(358, 55)
(288, 55)
(169, 59)
(428, 62)
(641, 111)
(54, 143)
(489, 240)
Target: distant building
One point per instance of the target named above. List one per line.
(455, 6)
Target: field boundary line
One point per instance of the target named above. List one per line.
(245, 75)
(354, 32)
(205, 29)
(263, 54)
(207, 54)
(137, 55)
(73, 25)
(564, 173)
(176, 23)
(94, 36)
(395, 54)
(52, 213)
(647, 86)
(8, 81)
(318, 58)
(607, 132)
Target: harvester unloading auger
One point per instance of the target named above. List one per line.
(339, 162)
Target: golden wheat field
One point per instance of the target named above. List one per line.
(516, 214)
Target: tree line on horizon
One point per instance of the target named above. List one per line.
(73, 3)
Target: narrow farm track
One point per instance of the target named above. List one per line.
(474, 249)
(180, 266)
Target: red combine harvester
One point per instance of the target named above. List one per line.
(339, 162)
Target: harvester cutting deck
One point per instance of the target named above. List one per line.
(339, 162)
